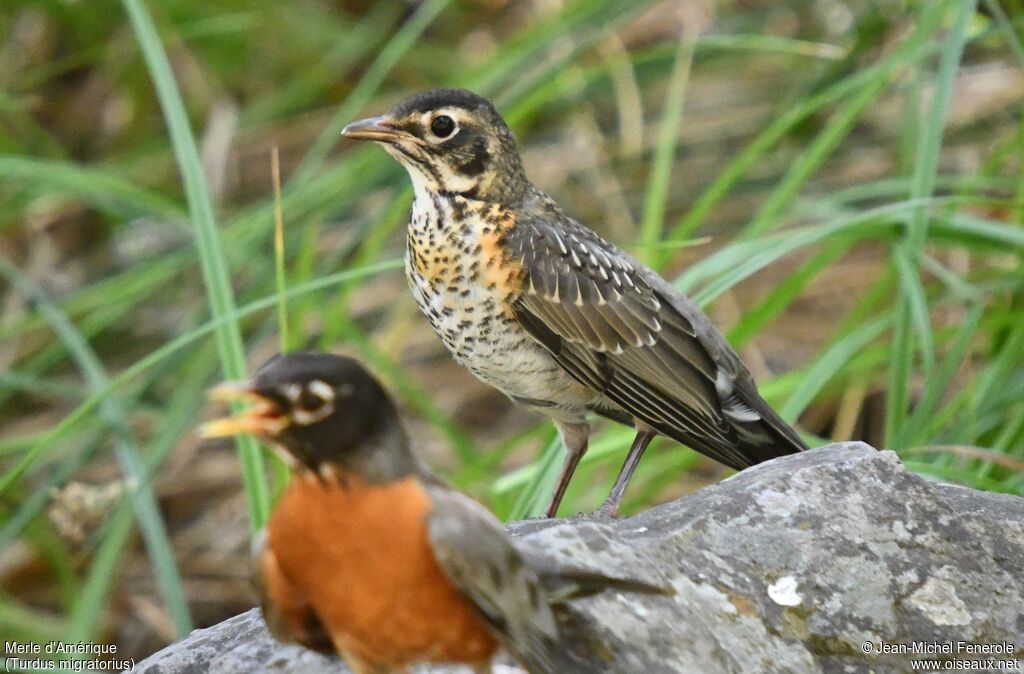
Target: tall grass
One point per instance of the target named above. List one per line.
(208, 240)
(912, 315)
(937, 333)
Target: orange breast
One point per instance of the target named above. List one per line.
(360, 556)
(504, 274)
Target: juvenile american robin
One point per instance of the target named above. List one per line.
(551, 314)
(368, 555)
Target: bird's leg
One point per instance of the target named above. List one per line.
(614, 500)
(574, 437)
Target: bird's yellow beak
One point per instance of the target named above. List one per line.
(263, 417)
(381, 129)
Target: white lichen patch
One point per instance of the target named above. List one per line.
(783, 592)
(937, 600)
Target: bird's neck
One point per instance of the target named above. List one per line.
(377, 460)
(438, 216)
(430, 206)
(433, 197)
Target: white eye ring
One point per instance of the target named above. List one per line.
(324, 395)
(292, 391)
(321, 389)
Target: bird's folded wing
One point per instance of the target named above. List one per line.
(481, 561)
(617, 327)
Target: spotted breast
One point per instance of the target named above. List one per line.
(465, 283)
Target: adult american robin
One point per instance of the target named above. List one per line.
(551, 314)
(368, 555)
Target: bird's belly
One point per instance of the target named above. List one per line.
(360, 555)
(485, 337)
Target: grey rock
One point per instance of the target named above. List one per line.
(797, 565)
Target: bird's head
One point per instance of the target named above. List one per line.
(450, 140)
(321, 409)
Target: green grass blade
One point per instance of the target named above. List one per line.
(144, 501)
(992, 233)
(825, 367)
(960, 289)
(813, 157)
(304, 88)
(772, 43)
(912, 310)
(913, 289)
(39, 386)
(957, 475)
(780, 297)
(540, 476)
(915, 430)
(177, 420)
(956, 421)
(929, 143)
(740, 259)
(215, 273)
(1009, 440)
(38, 501)
(279, 270)
(96, 587)
(172, 347)
(103, 189)
(665, 151)
(901, 367)
(403, 40)
(911, 49)
(586, 21)
(31, 624)
(532, 500)
(1007, 29)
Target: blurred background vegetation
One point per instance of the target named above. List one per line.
(838, 182)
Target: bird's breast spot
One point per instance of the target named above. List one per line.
(505, 276)
(434, 269)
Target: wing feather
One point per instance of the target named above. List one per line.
(480, 559)
(620, 329)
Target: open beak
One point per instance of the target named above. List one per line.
(263, 417)
(380, 129)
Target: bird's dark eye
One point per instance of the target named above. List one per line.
(310, 401)
(442, 126)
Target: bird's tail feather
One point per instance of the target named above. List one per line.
(565, 585)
